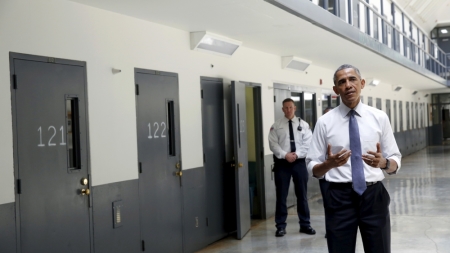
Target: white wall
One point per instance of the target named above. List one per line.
(103, 39)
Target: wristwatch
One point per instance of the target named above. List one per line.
(388, 163)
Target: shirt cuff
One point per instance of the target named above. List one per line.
(398, 164)
(282, 155)
(310, 167)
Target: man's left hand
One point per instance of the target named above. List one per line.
(375, 159)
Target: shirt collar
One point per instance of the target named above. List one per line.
(287, 120)
(343, 109)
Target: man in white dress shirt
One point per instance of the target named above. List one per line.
(354, 146)
(289, 140)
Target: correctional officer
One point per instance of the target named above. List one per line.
(353, 145)
(289, 140)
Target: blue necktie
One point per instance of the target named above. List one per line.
(291, 136)
(358, 179)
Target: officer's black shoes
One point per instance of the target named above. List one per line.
(308, 230)
(280, 232)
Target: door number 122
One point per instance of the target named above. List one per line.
(155, 133)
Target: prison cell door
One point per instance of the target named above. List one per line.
(51, 154)
(158, 130)
(240, 158)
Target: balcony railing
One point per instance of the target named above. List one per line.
(417, 46)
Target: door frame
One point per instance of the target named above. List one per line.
(44, 59)
(259, 144)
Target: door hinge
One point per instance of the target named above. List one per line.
(143, 245)
(19, 186)
(137, 89)
(262, 154)
(14, 82)
(140, 167)
(274, 99)
(202, 93)
(204, 158)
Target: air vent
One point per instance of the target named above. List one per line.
(373, 81)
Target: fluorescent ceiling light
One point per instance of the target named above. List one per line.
(396, 88)
(444, 31)
(213, 43)
(294, 63)
(373, 82)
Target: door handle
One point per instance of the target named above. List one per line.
(85, 192)
(179, 173)
(241, 165)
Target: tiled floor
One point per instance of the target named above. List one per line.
(420, 214)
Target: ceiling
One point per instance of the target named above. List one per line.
(264, 27)
(427, 14)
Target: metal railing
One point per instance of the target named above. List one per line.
(425, 53)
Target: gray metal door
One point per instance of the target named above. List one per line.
(51, 154)
(219, 190)
(238, 109)
(158, 133)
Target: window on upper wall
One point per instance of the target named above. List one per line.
(369, 101)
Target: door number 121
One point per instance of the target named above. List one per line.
(50, 143)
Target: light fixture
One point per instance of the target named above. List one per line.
(213, 43)
(396, 87)
(426, 95)
(444, 31)
(373, 82)
(414, 92)
(294, 63)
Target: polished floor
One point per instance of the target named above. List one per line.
(420, 214)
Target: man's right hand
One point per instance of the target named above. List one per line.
(338, 159)
(332, 161)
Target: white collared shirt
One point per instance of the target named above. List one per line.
(332, 128)
(279, 140)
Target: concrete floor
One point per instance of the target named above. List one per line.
(420, 214)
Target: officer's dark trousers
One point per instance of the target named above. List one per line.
(284, 171)
(345, 211)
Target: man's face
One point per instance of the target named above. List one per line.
(289, 109)
(348, 85)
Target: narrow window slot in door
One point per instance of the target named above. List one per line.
(73, 133)
(171, 126)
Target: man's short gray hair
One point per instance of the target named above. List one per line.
(346, 66)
